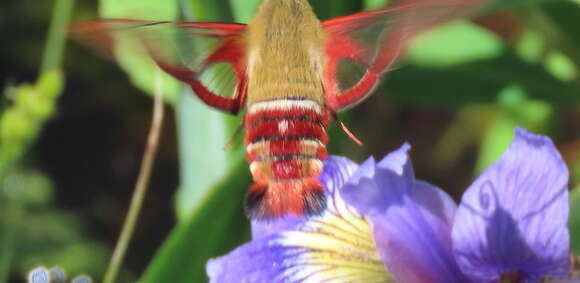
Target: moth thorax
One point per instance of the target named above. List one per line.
(285, 53)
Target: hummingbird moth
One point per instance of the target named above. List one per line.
(291, 72)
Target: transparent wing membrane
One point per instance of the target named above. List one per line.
(219, 78)
(361, 47)
(208, 56)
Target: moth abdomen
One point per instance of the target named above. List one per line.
(286, 141)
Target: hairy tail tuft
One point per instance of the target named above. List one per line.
(289, 197)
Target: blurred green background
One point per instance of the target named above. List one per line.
(73, 128)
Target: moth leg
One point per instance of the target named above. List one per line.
(234, 136)
(346, 130)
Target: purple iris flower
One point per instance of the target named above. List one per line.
(383, 225)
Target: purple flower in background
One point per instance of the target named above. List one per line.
(383, 225)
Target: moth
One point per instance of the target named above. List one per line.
(291, 73)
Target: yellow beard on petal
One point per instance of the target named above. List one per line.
(337, 247)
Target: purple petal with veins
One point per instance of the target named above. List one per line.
(513, 217)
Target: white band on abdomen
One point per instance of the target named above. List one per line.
(284, 104)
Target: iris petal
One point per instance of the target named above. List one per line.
(337, 170)
(261, 229)
(398, 162)
(513, 217)
(411, 220)
(567, 280)
(334, 247)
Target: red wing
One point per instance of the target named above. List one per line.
(207, 56)
(362, 46)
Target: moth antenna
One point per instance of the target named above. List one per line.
(232, 140)
(346, 130)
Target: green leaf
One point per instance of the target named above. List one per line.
(202, 134)
(375, 4)
(216, 10)
(565, 15)
(32, 232)
(335, 8)
(574, 221)
(516, 110)
(496, 140)
(130, 55)
(245, 10)
(213, 185)
(155, 10)
(557, 24)
(477, 82)
(465, 130)
(505, 4)
(28, 188)
(560, 66)
(454, 43)
(530, 46)
(217, 227)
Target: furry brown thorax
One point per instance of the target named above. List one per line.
(285, 55)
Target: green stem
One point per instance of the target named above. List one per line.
(140, 190)
(11, 210)
(55, 43)
(11, 213)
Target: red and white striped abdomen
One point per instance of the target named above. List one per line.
(286, 141)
